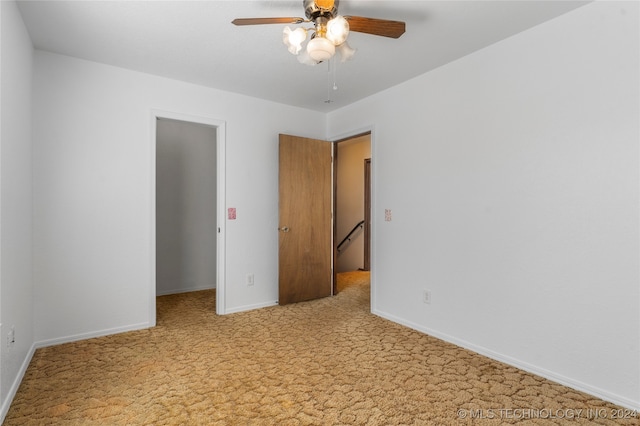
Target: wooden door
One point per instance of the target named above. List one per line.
(305, 231)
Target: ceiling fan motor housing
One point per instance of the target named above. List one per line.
(314, 9)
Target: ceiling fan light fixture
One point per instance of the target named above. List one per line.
(293, 39)
(320, 49)
(330, 31)
(337, 30)
(346, 52)
(305, 59)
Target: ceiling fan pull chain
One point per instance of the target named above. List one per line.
(328, 101)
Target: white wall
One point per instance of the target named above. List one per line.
(92, 192)
(186, 223)
(512, 175)
(16, 54)
(350, 200)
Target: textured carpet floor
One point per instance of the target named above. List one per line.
(325, 362)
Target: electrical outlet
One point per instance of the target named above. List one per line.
(426, 297)
(250, 280)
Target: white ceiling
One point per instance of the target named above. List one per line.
(194, 41)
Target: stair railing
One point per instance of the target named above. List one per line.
(350, 234)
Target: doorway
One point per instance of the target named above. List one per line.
(352, 190)
(185, 207)
(188, 178)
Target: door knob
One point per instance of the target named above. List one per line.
(284, 229)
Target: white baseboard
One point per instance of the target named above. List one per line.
(16, 384)
(250, 307)
(183, 290)
(90, 335)
(558, 378)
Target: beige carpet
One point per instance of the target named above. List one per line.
(326, 362)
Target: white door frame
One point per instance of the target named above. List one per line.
(220, 127)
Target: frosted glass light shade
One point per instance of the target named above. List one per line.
(337, 30)
(346, 52)
(320, 49)
(293, 39)
(304, 58)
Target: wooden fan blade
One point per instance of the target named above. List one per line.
(260, 21)
(381, 27)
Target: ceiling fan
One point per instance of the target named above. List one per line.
(329, 33)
